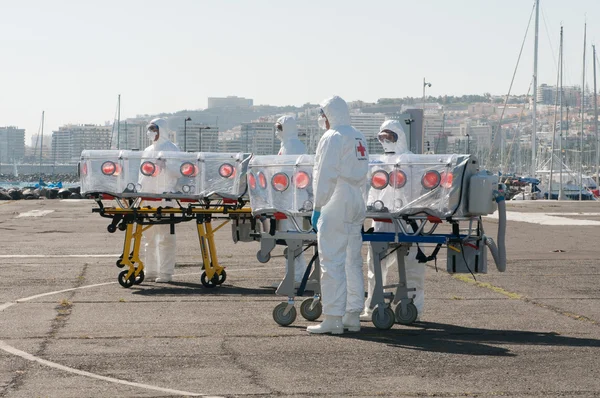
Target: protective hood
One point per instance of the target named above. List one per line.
(337, 112)
(400, 145)
(162, 130)
(290, 130)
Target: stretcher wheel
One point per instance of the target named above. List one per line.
(263, 259)
(126, 282)
(410, 316)
(281, 318)
(387, 321)
(120, 263)
(308, 313)
(222, 277)
(140, 278)
(111, 228)
(122, 227)
(210, 283)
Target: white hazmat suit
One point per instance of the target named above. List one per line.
(291, 145)
(415, 272)
(160, 247)
(339, 184)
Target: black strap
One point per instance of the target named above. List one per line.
(422, 258)
(300, 291)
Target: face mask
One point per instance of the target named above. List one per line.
(322, 124)
(278, 133)
(151, 135)
(388, 146)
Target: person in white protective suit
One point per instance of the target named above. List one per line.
(287, 132)
(160, 247)
(339, 184)
(392, 138)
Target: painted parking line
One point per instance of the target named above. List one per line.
(545, 219)
(57, 255)
(35, 213)
(30, 357)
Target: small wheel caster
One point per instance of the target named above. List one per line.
(281, 318)
(210, 283)
(308, 313)
(140, 278)
(126, 282)
(410, 316)
(222, 277)
(386, 321)
(263, 258)
(111, 228)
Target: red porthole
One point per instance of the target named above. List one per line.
(280, 182)
(148, 169)
(379, 179)
(431, 179)
(301, 179)
(397, 179)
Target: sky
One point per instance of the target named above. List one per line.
(72, 59)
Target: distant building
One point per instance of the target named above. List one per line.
(259, 138)
(70, 140)
(197, 137)
(229, 102)
(131, 134)
(482, 109)
(545, 94)
(36, 141)
(12, 144)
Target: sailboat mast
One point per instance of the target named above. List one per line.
(42, 144)
(596, 122)
(554, 129)
(582, 110)
(560, 92)
(119, 122)
(535, 62)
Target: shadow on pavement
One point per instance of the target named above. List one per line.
(453, 339)
(185, 289)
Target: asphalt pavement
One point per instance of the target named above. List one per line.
(68, 329)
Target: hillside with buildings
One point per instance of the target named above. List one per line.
(496, 129)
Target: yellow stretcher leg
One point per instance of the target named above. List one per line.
(213, 273)
(135, 266)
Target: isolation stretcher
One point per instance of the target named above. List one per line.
(167, 188)
(415, 193)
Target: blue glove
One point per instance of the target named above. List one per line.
(315, 217)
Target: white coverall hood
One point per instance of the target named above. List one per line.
(290, 143)
(400, 145)
(163, 143)
(337, 112)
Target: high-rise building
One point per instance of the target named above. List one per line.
(259, 137)
(12, 144)
(229, 102)
(38, 140)
(130, 134)
(197, 137)
(70, 140)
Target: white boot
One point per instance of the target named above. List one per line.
(366, 315)
(332, 324)
(351, 321)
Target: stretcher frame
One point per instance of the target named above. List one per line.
(130, 216)
(413, 229)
